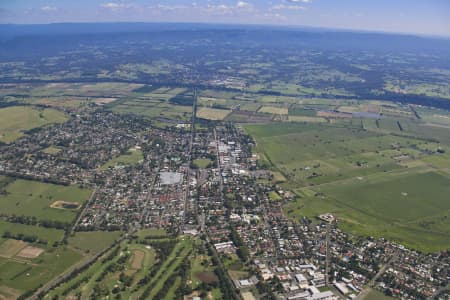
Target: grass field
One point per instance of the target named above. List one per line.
(93, 241)
(212, 113)
(24, 275)
(133, 156)
(408, 207)
(50, 235)
(33, 199)
(376, 183)
(202, 163)
(17, 119)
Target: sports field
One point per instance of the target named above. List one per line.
(133, 156)
(33, 199)
(17, 119)
(22, 275)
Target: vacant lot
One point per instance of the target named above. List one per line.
(212, 113)
(33, 199)
(17, 119)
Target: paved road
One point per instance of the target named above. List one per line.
(372, 282)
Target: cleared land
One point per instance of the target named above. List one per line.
(33, 199)
(14, 121)
(30, 252)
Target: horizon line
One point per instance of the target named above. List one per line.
(286, 26)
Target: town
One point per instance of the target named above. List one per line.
(203, 180)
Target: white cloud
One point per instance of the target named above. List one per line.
(48, 8)
(299, 1)
(242, 4)
(115, 5)
(287, 7)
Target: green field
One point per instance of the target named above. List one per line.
(309, 154)
(33, 199)
(93, 241)
(17, 119)
(202, 163)
(50, 235)
(376, 183)
(141, 267)
(24, 275)
(133, 156)
(376, 295)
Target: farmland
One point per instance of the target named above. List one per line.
(212, 113)
(382, 180)
(14, 121)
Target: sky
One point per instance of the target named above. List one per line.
(425, 17)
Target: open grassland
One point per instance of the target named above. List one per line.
(93, 241)
(212, 113)
(407, 206)
(377, 183)
(309, 154)
(51, 235)
(33, 199)
(133, 156)
(15, 120)
(153, 106)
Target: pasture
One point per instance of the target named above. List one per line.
(376, 183)
(15, 120)
(34, 199)
(406, 206)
